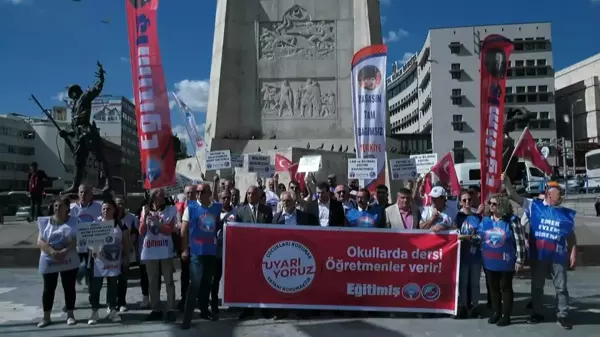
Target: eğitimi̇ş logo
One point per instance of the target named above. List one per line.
(366, 221)
(289, 267)
(430, 292)
(369, 77)
(495, 237)
(411, 292)
(207, 222)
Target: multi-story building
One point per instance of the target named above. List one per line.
(578, 106)
(115, 117)
(17, 152)
(437, 91)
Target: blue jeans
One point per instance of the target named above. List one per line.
(539, 271)
(201, 273)
(468, 283)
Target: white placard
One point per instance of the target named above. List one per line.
(218, 160)
(259, 163)
(309, 164)
(94, 234)
(237, 160)
(403, 168)
(365, 168)
(424, 162)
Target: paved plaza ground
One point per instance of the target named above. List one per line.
(20, 310)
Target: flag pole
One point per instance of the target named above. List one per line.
(515, 149)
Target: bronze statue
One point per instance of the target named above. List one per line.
(86, 135)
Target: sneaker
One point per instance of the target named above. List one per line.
(94, 318)
(123, 308)
(535, 319)
(71, 321)
(564, 323)
(494, 319)
(145, 303)
(113, 316)
(44, 323)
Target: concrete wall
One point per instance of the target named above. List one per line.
(249, 70)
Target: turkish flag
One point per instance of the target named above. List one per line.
(446, 174)
(527, 149)
(282, 164)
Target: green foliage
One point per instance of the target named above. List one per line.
(180, 148)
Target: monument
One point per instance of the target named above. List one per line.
(86, 135)
(280, 75)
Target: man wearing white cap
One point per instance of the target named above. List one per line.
(440, 214)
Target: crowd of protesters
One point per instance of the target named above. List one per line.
(189, 227)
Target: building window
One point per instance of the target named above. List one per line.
(542, 71)
(457, 122)
(508, 90)
(519, 72)
(544, 120)
(520, 90)
(531, 71)
(456, 97)
(459, 152)
(532, 98)
(455, 48)
(530, 63)
(542, 88)
(519, 63)
(531, 88)
(541, 62)
(521, 99)
(455, 71)
(544, 97)
(455, 66)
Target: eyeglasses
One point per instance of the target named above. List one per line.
(493, 203)
(466, 200)
(340, 192)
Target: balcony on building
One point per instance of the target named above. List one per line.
(455, 47)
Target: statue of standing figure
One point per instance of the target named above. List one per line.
(86, 135)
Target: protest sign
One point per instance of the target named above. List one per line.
(365, 168)
(340, 268)
(260, 164)
(424, 162)
(94, 234)
(309, 164)
(237, 160)
(218, 160)
(403, 168)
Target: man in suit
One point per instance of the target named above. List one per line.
(328, 211)
(404, 214)
(254, 212)
(292, 216)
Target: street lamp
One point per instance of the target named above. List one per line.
(572, 122)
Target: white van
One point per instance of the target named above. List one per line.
(529, 177)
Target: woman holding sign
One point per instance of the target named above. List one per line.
(58, 244)
(503, 251)
(106, 263)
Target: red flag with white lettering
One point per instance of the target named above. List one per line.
(495, 52)
(527, 149)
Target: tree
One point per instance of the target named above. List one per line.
(180, 148)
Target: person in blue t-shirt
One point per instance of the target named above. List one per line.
(201, 222)
(503, 253)
(552, 246)
(365, 215)
(467, 221)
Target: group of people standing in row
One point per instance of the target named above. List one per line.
(493, 238)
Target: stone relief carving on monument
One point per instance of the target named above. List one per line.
(298, 99)
(297, 37)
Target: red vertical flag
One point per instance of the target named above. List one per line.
(151, 99)
(527, 149)
(495, 52)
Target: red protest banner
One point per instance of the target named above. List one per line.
(274, 266)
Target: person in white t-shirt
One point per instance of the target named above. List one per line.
(441, 213)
